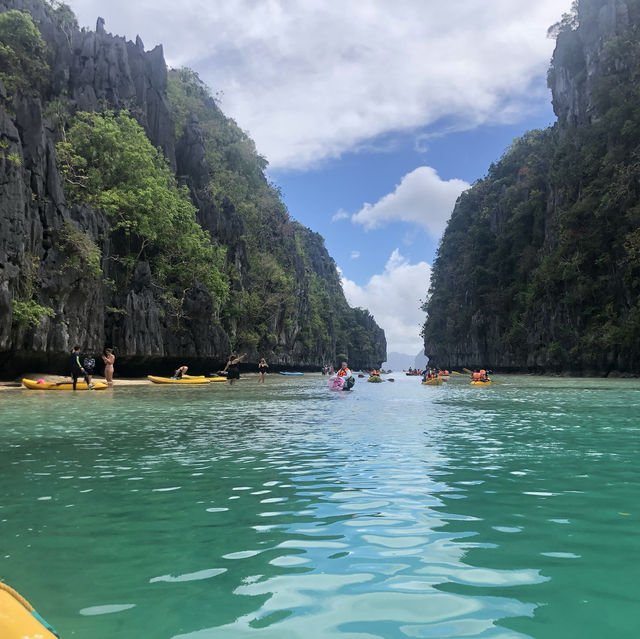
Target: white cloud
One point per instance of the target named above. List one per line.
(340, 215)
(355, 255)
(394, 298)
(311, 79)
(421, 197)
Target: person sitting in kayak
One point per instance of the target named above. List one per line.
(480, 375)
(349, 379)
(344, 370)
(180, 371)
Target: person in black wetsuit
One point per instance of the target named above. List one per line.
(233, 367)
(77, 369)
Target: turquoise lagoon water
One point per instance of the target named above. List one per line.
(285, 511)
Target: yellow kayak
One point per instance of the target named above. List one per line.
(34, 385)
(436, 381)
(374, 379)
(211, 379)
(184, 380)
(477, 383)
(18, 619)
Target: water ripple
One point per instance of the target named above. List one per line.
(388, 513)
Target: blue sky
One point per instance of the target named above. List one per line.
(374, 116)
(315, 196)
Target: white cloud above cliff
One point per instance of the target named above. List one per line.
(310, 79)
(421, 197)
(394, 298)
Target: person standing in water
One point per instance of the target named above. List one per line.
(108, 358)
(262, 369)
(233, 367)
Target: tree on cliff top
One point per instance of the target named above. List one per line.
(568, 22)
(22, 51)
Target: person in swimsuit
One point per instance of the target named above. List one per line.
(233, 367)
(180, 371)
(108, 358)
(262, 370)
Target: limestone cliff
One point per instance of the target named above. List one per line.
(538, 267)
(42, 235)
(580, 53)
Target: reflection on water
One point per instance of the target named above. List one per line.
(285, 510)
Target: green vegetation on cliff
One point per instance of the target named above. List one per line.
(108, 161)
(539, 266)
(291, 297)
(160, 241)
(22, 51)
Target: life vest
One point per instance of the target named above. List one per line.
(343, 372)
(476, 376)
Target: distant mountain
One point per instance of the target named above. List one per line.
(402, 361)
(420, 360)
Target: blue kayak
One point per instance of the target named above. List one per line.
(287, 373)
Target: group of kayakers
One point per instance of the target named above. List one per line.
(432, 373)
(479, 375)
(429, 373)
(84, 368)
(416, 372)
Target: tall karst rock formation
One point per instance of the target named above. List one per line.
(65, 275)
(539, 267)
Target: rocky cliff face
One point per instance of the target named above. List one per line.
(92, 71)
(579, 54)
(538, 266)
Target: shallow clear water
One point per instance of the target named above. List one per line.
(284, 510)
